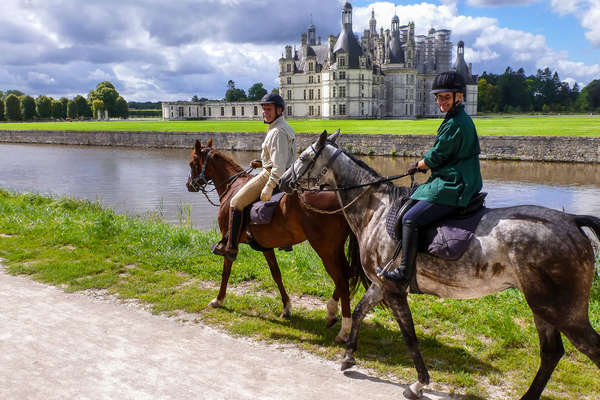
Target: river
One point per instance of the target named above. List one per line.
(152, 181)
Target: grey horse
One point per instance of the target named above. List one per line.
(540, 251)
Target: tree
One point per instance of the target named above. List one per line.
(83, 107)
(64, 101)
(106, 92)
(256, 92)
(195, 98)
(121, 108)
(17, 93)
(57, 109)
(275, 91)
(27, 108)
(486, 95)
(98, 107)
(591, 94)
(12, 105)
(43, 106)
(72, 110)
(1, 108)
(235, 95)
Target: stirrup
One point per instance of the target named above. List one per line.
(217, 249)
(387, 267)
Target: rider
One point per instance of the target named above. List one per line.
(455, 172)
(278, 153)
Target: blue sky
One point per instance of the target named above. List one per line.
(156, 50)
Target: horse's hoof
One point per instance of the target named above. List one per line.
(215, 303)
(339, 339)
(348, 362)
(414, 391)
(331, 321)
(287, 313)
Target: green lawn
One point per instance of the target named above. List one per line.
(474, 347)
(516, 126)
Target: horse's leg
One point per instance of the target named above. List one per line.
(371, 298)
(398, 302)
(218, 301)
(551, 351)
(332, 309)
(276, 274)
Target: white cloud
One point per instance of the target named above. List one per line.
(587, 11)
(500, 3)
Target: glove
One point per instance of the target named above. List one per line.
(266, 193)
(256, 164)
(413, 168)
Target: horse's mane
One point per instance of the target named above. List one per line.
(393, 190)
(228, 159)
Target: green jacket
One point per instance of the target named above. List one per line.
(454, 162)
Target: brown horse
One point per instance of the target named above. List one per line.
(292, 223)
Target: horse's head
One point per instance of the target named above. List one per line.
(312, 167)
(198, 166)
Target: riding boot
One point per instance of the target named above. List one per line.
(410, 242)
(235, 230)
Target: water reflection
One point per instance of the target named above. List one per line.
(140, 181)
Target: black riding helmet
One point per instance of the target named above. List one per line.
(272, 98)
(450, 81)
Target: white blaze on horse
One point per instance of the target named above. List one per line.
(542, 252)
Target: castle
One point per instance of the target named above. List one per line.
(387, 74)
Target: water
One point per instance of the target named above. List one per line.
(143, 181)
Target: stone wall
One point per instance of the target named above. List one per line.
(530, 148)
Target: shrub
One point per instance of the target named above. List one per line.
(13, 108)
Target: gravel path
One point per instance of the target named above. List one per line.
(57, 345)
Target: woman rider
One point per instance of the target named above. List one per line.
(278, 153)
(455, 172)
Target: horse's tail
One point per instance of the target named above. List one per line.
(589, 221)
(357, 274)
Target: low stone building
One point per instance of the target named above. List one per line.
(211, 110)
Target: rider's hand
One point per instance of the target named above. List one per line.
(256, 164)
(413, 168)
(266, 193)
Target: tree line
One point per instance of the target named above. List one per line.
(514, 92)
(17, 106)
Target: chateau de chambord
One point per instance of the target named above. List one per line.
(383, 74)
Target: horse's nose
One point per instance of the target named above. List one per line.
(190, 186)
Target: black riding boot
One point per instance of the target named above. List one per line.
(410, 242)
(230, 248)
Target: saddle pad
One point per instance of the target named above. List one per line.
(261, 212)
(450, 239)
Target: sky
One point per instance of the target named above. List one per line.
(157, 50)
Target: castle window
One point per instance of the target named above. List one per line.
(310, 79)
(318, 110)
(289, 94)
(289, 80)
(209, 111)
(333, 92)
(204, 111)
(311, 110)
(289, 68)
(304, 94)
(318, 78)
(318, 93)
(334, 76)
(222, 111)
(180, 111)
(343, 91)
(310, 66)
(342, 61)
(311, 94)
(342, 75)
(242, 110)
(333, 110)
(289, 109)
(342, 109)
(255, 110)
(232, 110)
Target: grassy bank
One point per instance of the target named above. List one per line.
(535, 126)
(478, 347)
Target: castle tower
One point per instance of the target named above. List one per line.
(312, 36)
(372, 24)
(347, 42)
(396, 51)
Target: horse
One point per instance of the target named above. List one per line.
(293, 222)
(542, 252)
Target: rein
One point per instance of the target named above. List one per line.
(200, 182)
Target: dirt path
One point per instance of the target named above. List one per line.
(56, 345)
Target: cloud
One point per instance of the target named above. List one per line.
(588, 13)
(500, 3)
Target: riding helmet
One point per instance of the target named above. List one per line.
(272, 98)
(450, 81)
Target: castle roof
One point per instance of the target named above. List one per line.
(461, 66)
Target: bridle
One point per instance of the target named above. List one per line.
(200, 182)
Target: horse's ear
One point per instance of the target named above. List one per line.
(197, 146)
(334, 136)
(322, 139)
(209, 143)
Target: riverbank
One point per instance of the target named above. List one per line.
(485, 348)
(524, 148)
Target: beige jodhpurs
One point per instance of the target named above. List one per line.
(250, 192)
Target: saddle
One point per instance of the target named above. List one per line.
(261, 213)
(448, 238)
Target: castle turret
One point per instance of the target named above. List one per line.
(347, 42)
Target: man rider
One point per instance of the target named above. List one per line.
(278, 153)
(455, 172)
